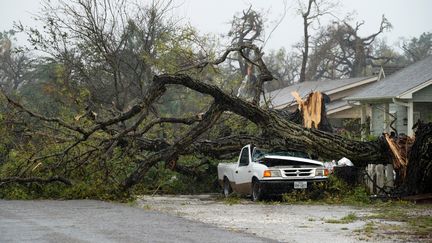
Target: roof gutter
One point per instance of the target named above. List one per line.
(368, 98)
(353, 102)
(401, 103)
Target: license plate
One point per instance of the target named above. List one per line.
(300, 184)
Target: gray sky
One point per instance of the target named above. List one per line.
(409, 18)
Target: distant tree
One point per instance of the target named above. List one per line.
(15, 65)
(112, 49)
(389, 55)
(247, 27)
(247, 30)
(311, 12)
(416, 49)
(284, 66)
(339, 50)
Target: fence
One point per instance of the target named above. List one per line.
(379, 178)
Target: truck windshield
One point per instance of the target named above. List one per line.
(259, 153)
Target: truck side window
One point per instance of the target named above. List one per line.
(244, 157)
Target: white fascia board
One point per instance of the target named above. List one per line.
(350, 86)
(339, 109)
(408, 94)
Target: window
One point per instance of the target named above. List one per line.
(244, 157)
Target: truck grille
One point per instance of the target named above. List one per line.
(297, 172)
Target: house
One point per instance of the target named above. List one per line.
(397, 101)
(338, 109)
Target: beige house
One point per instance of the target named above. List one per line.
(338, 109)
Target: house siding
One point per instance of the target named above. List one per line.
(423, 111)
(423, 95)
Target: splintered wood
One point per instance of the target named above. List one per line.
(400, 148)
(310, 108)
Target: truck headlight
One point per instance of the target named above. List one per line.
(272, 173)
(322, 172)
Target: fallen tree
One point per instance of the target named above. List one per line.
(95, 140)
(419, 170)
(277, 132)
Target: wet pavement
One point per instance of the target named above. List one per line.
(96, 221)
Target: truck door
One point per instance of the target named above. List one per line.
(243, 173)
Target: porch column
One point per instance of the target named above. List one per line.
(410, 116)
(386, 117)
(363, 122)
(371, 127)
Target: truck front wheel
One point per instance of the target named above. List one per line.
(227, 190)
(257, 192)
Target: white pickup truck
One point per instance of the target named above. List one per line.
(260, 173)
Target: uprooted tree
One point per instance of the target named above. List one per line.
(97, 139)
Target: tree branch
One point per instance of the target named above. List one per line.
(4, 181)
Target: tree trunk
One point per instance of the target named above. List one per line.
(305, 52)
(359, 63)
(282, 133)
(419, 171)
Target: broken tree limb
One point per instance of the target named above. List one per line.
(4, 181)
(313, 111)
(310, 108)
(171, 152)
(400, 148)
(283, 134)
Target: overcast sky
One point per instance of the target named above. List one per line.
(409, 18)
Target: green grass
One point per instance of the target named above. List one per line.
(369, 228)
(232, 200)
(344, 220)
(399, 220)
(393, 214)
(421, 225)
(147, 207)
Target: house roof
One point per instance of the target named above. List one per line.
(403, 82)
(336, 106)
(390, 69)
(282, 97)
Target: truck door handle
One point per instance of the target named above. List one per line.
(237, 171)
(249, 171)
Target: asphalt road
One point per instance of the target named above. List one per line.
(96, 221)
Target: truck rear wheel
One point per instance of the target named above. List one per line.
(257, 192)
(227, 190)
